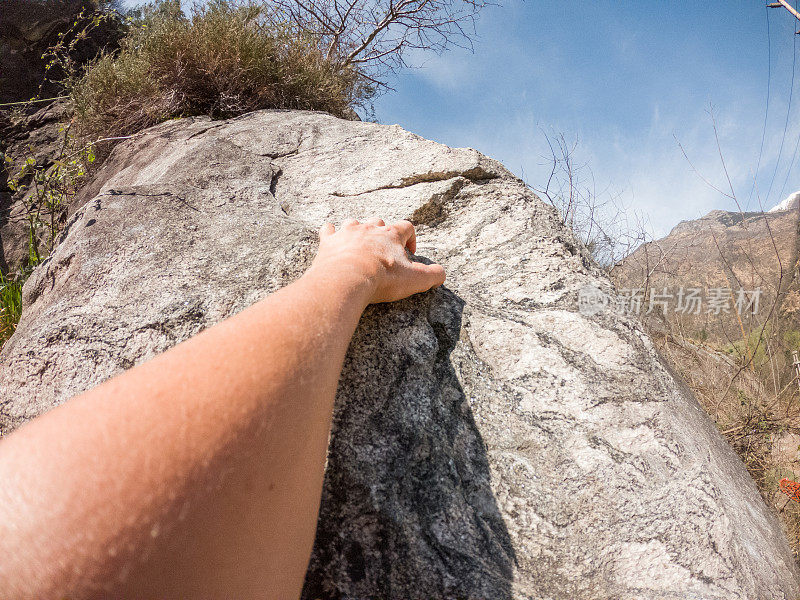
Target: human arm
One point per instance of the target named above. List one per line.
(199, 472)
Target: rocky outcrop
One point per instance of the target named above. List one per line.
(490, 441)
(28, 28)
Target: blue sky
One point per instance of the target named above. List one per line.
(626, 79)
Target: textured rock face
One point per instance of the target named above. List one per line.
(490, 442)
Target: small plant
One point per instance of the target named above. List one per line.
(46, 191)
(10, 305)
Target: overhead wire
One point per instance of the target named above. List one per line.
(797, 144)
(786, 123)
(766, 108)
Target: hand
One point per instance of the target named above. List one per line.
(375, 255)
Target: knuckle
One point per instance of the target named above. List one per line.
(390, 262)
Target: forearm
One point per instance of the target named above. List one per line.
(198, 474)
(157, 438)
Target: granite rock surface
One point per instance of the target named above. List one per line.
(490, 440)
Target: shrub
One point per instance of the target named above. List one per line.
(227, 58)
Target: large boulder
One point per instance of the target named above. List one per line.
(490, 440)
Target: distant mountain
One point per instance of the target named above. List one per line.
(792, 202)
(730, 260)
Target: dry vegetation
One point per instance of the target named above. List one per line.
(609, 229)
(228, 57)
(224, 59)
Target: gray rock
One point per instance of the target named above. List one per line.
(490, 441)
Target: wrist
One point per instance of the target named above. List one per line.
(338, 278)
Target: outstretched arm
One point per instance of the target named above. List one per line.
(199, 473)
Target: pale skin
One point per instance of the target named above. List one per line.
(199, 473)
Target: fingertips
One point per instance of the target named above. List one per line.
(376, 221)
(437, 274)
(326, 230)
(429, 276)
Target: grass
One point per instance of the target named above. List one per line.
(10, 305)
(227, 58)
(750, 413)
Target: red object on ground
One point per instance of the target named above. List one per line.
(791, 489)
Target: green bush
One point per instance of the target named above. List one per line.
(227, 58)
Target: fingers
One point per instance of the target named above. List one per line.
(407, 235)
(428, 276)
(326, 230)
(404, 229)
(374, 221)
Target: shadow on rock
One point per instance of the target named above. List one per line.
(407, 509)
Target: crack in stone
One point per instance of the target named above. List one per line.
(474, 175)
(434, 210)
(273, 188)
(204, 130)
(275, 155)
